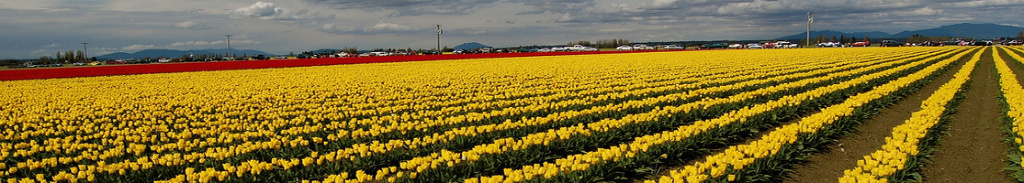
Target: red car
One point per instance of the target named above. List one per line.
(861, 44)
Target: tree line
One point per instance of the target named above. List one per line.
(66, 57)
(916, 38)
(840, 39)
(604, 43)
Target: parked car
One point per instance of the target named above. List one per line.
(429, 52)
(674, 47)
(642, 47)
(528, 50)
(339, 55)
(624, 48)
(981, 43)
(786, 44)
(861, 44)
(78, 64)
(754, 46)
(259, 57)
(828, 44)
(951, 42)
(714, 45)
(736, 46)
(580, 48)
(930, 43)
(890, 43)
(56, 65)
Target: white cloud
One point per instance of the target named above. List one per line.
(214, 43)
(188, 25)
(390, 27)
(196, 43)
(136, 47)
(269, 11)
(259, 10)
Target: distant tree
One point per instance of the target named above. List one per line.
(9, 62)
(842, 39)
(45, 59)
(833, 39)
(447, 49)
(1020, 35)
(80, 56)
(866, 38)
(291, 54)
(584, 43)
(351, 50)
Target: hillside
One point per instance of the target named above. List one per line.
(966, 30)
(157, 53)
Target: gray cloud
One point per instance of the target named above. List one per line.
(269, 11)
(407, 7)
(189, 25)
(37, 28)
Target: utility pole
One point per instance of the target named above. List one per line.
(229, 47)
(85, 53)
(810, 20)
(439, 31)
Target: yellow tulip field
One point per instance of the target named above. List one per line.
(682, 116)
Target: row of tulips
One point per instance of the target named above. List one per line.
(403, 121)
(903, 148)
(743, 162)
(1013, 98)
(585, 134)
(682, 129)
(218, 154)
(529, 123)
(188, 147)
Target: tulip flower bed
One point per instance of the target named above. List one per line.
(1013, 101)
(47, 73)
(723, 115)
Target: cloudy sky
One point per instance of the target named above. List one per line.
(34, 28)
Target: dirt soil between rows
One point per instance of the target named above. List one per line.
(973, 151)
(829, 165)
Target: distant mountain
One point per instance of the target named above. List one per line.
(157, 53)
(837, 34)
(470, 46)
(968, 30)
(325, 50)
(965, 30)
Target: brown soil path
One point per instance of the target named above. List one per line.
(973, 151)
(829, 166)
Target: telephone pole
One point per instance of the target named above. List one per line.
(229, 47)
(810, 20)
(439, 31)
(85, 52)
